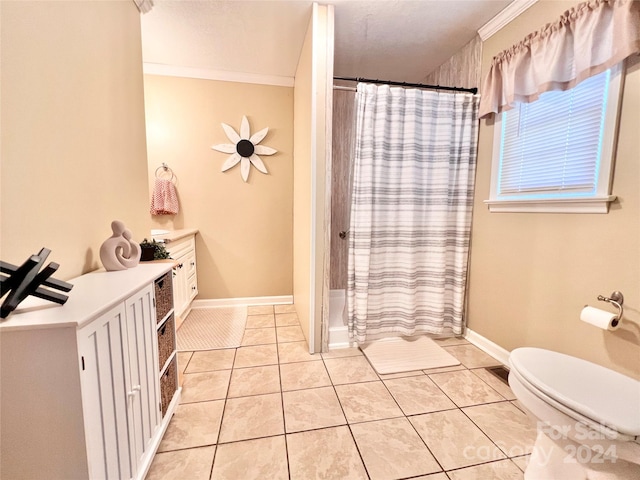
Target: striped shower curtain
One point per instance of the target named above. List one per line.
(411, 204)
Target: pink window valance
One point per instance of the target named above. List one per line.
(586, 40)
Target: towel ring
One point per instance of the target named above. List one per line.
(165, 168)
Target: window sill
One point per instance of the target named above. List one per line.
(559, 205)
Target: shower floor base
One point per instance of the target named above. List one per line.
(338, 331)
(339, 338)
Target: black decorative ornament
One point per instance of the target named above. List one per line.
(25, 280)
(245, 148)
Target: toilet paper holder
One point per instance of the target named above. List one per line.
(616, 299)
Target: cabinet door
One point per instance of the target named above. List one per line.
(180, 286)
(192, 288)
(120, 386)
(184, 274)
(190, 262)
(104, 357)
(143, 357)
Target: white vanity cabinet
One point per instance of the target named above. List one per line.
(82, 386)
(185, 279)
(120, 392)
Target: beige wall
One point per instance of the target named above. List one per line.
(531, 274)
(462, 69)
(312, 129)
(244, 245)
(73, 144)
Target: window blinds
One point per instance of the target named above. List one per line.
(554, 145)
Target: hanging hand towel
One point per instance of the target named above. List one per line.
(164, 200)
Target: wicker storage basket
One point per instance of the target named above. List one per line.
(166, 341)
(164, 296)
(168, 384)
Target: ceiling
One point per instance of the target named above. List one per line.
(399, 40)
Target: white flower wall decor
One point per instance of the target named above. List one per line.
(244, 149)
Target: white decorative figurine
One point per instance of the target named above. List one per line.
(119, 251)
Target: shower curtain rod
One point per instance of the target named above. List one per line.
(405, 84)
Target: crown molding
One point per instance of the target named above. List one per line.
(514, 9)
(220, 75)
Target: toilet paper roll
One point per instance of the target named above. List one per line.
(599, 318)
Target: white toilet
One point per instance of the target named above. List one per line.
(588, 416)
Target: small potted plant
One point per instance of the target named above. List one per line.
(152, 250)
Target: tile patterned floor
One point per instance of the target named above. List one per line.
(270, 410)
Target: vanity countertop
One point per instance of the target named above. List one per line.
(175, 235)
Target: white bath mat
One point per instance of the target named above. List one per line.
(405, 354)
(212, 328)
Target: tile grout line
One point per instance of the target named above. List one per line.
(507, 459)
(284, 419)
(411, 424)
(224, 408)
(467, 416)
(348, 424)
(485, 433)
(474, 405)
(366, 471)
(281, 406)
(457, 407)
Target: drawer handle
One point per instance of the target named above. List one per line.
(193, 264)
(193, 288)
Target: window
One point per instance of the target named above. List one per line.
(556, 154)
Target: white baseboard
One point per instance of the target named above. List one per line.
(486, 345)
(227, 302)
(339, 338)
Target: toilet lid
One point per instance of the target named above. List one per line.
(598, 393)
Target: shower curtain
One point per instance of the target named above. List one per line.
(411, 204)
